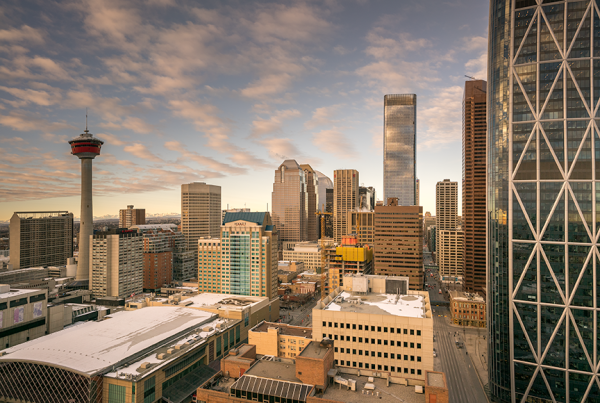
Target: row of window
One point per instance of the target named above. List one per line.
(378, 354)
(379, 367)
(366, 328)
(374, 341)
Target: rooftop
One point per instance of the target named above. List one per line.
(436, 379)
(228, 301)
(393, 393)
(284, 329)
(11, 293)
(155, 226)
(96, 347)
(465, 296)
(281, 370)
(412, 306)
(255, 217)
(315, 350)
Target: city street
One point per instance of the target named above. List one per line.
(301, 316)
(463, 384)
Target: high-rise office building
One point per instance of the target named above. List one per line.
(367, 197)
(418, 193)
(290, 204)
(312, 189)
(450, 255)
(131, 216)
(399, 242)
(399, 148)
(117, 263)
(345, 198)
(474, 185)
(543, 170)
(324, 184)
(446, 207)
(200, 212)
(243, 260)
(40, 238)
(325, 203)
(361, 223)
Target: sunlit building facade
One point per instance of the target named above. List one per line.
(543, 199)
(399, 148)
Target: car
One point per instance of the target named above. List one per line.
(434, 353)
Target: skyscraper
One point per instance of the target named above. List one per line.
(243, 260)
(290, 204)
(446, 206)
(399, 242)
(40, 238)
(200, 212)
(325, 203)
(312, 189)
(399, 148)
(543, 172)
(345, 198)
(131, 216)
(474, 185)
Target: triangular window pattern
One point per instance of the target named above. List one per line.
(521, 255)
(577, 358)
(549, 166)
(555, 254)
(555, 225)
(556, 18)
(521, 110)
(521, 228)
(548, 289)
(596, 32)
(594, 393)
(521, 135)
(551, 76)
(576, 132)
(578, 15)
(528, 75)
(577, 226)
(528, 52)
(596, 81)
(575, 104)
(584, 319)
(539, 388)
(578, 255)
(556, 380)
(578, 385)
(556, 355)
(521, 348)
(527, 192)
(548, 48)
(523, 374)
(551, 318)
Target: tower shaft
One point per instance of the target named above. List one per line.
(86, 223)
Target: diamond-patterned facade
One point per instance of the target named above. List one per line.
(547, 181)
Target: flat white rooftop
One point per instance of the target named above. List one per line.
(19, 292)
(229, 301)
(412, 306)
(92, 347)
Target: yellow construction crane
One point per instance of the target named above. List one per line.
(324, 272)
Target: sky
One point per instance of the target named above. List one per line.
(222, 92)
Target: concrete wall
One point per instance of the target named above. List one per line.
(313, 371)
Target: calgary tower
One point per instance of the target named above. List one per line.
(85, 147)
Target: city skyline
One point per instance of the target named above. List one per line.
(260, 96)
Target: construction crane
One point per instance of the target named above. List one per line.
(324, 272)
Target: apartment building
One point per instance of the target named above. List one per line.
(200, 212)
(467, 309)
(131, 216)
(279, 339)
(450, 257)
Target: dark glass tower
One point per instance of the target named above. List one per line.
(544, 200)
(399, 148)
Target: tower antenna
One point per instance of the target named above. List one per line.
(86, 129)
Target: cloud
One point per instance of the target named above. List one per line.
(141, 151)
(385, 45)
(273, 124)
(56, 138)
(111, 139)
(334, 141)
(26, 121)
(442, 114)
(322, 117)
(42, 98)
(475, 43)
(267, 86)
(281, 149)
(23, 34)
(202, 160)
(478, 67)
(12, 140)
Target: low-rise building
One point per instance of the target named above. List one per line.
(361, 222)
(467, 309)
(22, 315)
(285, 276)
(279, 339)
(307, 252)
(287, 265)
(377, 323)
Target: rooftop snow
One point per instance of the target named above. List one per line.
(93, 347)
(212, 300)
(412, 306)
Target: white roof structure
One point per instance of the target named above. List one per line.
(155, 226)
(225, 301)
(94, 347)
(412, 306)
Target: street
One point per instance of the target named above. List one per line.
(301, 316)
(463, 383)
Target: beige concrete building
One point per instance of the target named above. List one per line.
(290, 203)
(345, 199)
(399, 242)
(446, 207)
(131, 216)
(23, 315)
(308, 253)
(116, 263)
(450, 254)
(361, 222)
(376, 323)
(200, 212)
(290, 265)
(467, 309)
(243, 261)
(279, 339)
(40, 238)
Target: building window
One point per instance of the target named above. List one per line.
(379, 354)
(412, 332)
(379, 367)
(392, 355)
(360, 339)
(324, 323)
(116, 394)
(418, 332)
(354, 326)
(412, 345)
(412, 371)
(418, 345)
(359, 327)
(149, 390)
(372, 328)
(335, 324)
(418, 359)
(405, 332)
(418, 372)
(329, 324)
(391, 342)
(379, 329)
(335, 349)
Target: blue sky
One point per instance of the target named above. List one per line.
(223, 92)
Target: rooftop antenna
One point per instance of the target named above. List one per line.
(472, 78)
(86, 129)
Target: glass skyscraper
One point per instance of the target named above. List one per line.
(399, 148)
(544, 201)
